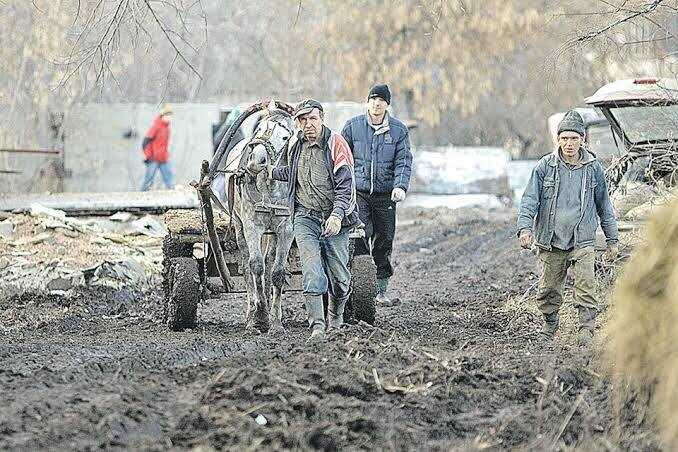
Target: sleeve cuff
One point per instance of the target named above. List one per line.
(338, 212)
(520, 231)
(277, 174)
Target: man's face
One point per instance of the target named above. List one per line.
(570, 143)
(167, 118)
(311, 123)
(376, 106)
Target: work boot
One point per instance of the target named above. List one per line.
(335, 313)
(587, 320)
(316, 317)
(317, 335)
(551, 322)
(382, 287)
(585, 337)
(587, 317)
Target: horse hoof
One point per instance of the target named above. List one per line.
(250, 327)
(277, 330)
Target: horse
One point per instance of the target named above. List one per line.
(258, 207)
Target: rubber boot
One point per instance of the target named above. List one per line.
(587, 318)
(317, 335)
(551, 322)
(335, 313)
(316, 318)
(382, 287)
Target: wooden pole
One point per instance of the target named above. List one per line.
(205, 195)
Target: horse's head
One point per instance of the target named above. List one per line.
(270, 139)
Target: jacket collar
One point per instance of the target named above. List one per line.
(325, 134)
(588, 157)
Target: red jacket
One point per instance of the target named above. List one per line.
(156, 142)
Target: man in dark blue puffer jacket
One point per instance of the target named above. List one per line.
(383, 163)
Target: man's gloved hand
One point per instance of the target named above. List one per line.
(146, 161)
(332, 226)
(398, 195)
(611, 253)
(525, 239)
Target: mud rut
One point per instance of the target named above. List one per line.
(456, 364)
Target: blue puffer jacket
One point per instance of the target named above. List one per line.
(382, 162)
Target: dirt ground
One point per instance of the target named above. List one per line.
(457, 364)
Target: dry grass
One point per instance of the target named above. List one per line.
(643, 327)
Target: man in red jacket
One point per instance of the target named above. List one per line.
(155, 147)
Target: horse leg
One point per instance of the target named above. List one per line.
(285, 237)
(271, 251)
(256, 269)
(245, 258)
(269, 244)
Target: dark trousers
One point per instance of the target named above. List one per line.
(378, 213)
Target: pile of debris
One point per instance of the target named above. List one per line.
(636, 202)
(47, 251)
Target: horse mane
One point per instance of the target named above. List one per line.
(279, 112)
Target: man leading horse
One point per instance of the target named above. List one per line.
(322, 199)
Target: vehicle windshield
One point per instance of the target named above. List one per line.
(601, 141)
(645, 123)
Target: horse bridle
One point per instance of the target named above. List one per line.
(263, 139)
(242, 177)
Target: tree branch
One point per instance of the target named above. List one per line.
(176, 49)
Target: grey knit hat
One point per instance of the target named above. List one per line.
(572, 122)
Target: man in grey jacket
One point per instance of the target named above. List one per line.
(561, 205)
(383, 163)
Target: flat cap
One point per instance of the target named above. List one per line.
(306, 107)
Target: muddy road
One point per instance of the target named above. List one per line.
(456, 364)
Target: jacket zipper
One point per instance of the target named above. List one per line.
(372, 176)
(582, 200)
(552, 223)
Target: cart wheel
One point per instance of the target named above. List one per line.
(363, 289)
(184, 293)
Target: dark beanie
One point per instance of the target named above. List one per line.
(572, 122)
(380, 91)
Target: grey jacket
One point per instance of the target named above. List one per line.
(538, 206)
(382, 162)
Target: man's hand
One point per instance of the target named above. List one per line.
(525, 239)
(398, 195)
(332, 226)
(611, 253)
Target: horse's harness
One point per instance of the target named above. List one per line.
(242, 180)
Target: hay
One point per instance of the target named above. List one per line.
(643, 328)
(189, 221)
